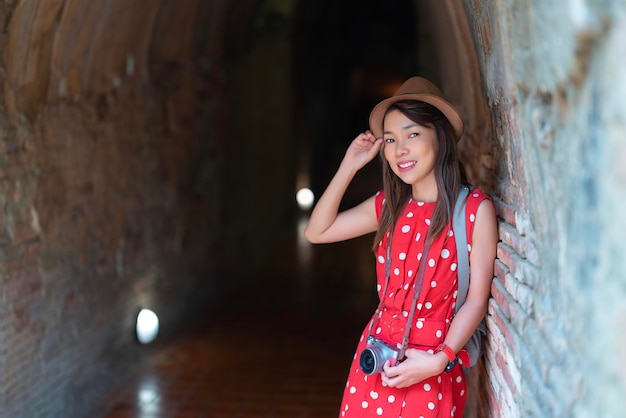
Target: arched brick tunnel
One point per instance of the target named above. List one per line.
(150, 152)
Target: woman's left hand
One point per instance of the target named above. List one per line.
(417, 366)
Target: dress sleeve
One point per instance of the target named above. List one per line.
(380, 202)
(474, 199)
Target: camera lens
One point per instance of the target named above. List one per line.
(368, 361)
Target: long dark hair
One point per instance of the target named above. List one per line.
(449, 172)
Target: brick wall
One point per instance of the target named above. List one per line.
(117, 119)
(539, 84)
(98, 214)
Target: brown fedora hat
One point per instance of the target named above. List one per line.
(417, 88)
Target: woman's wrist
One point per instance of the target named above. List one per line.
(442, 360)
(448, 354)
(349, 167)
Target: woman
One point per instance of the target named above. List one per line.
(415, 131)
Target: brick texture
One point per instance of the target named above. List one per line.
(97, 216)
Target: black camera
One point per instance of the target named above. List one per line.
(375, 354)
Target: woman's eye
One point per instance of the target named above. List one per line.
(389, 140)
(413, 135)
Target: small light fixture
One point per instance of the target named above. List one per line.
(305, 198)
(147, 326)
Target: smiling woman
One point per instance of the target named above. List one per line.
(415, 337)
(411, 151)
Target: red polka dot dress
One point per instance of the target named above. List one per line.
(438, 396)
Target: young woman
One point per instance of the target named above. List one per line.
(415, 131)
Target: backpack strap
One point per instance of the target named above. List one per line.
(473, 347)
(460, 235)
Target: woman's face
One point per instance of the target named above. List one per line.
(410, 149)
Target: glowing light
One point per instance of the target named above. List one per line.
(305, 198)
(147, 395)
(147, 326)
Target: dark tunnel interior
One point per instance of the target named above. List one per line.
(346, 58)
(303, 309)
(308, 303)
(170, 143)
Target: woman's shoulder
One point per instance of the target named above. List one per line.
(475, 197)
(476, 193)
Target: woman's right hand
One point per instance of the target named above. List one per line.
(362, 150)
(325, 223)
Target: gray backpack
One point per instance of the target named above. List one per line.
(474, 345)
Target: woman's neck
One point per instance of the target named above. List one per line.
(425, 192)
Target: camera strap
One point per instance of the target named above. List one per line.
(416, 290)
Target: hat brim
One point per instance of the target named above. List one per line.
(378, 113)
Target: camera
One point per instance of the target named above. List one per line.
(375, 354)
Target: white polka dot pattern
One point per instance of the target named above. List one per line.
(440, 395)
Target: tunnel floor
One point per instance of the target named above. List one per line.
(282, 350)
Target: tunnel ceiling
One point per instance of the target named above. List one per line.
(74, 50)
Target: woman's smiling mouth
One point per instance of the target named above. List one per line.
(406, 164)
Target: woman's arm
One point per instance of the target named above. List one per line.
(326, 224)
(482, 257)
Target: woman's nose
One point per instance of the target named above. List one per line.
(401, 148)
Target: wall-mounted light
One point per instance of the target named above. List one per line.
(147, 326)
(305, 198)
